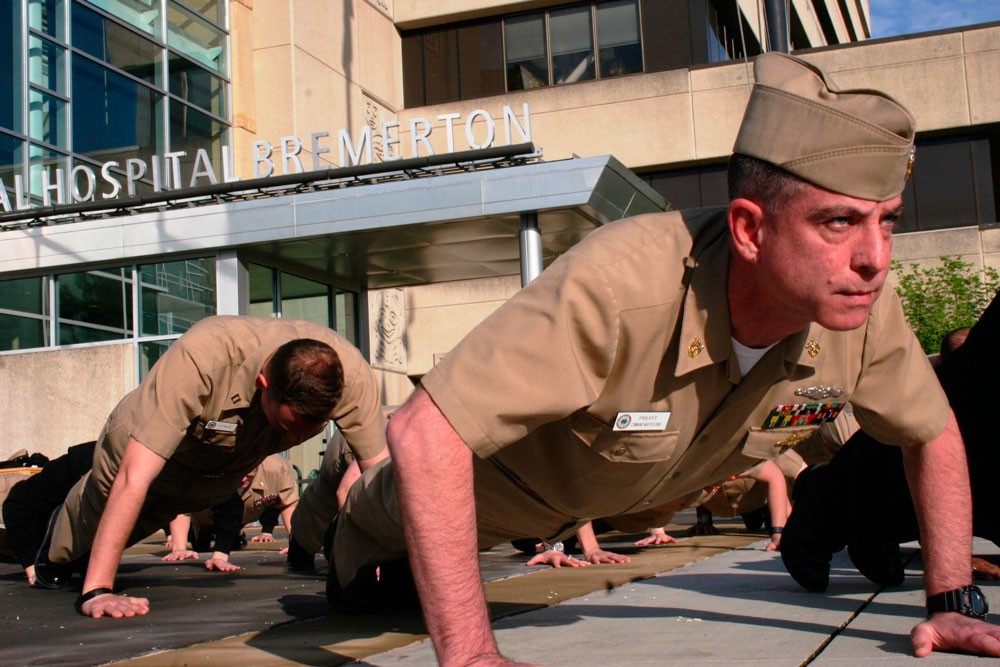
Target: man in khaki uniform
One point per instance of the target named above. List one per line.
(666, 352)
(228, 393)
(272, 484)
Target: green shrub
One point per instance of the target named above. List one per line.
(939, 299)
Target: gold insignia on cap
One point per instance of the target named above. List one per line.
(812, 347)
(793, 439)
(695, 347)
(909, 163)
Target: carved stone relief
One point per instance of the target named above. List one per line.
(387, 314)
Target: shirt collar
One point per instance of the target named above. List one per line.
(705, 337)
(244, 383)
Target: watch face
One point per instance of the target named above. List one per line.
(976, 601)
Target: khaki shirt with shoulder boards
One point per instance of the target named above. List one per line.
(635, 318)
(274, 483)
(199, 406)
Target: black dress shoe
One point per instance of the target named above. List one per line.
(384, 588)
(299, 559)
(49, 574)
(754, 520)
(878, 560)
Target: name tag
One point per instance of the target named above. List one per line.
(641, 421)
(225, 427)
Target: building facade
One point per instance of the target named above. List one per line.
(110, 101)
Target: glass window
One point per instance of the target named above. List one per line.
(46, 16)
(618, 45)
(94, 306)
(120, 119)
(149, 353)
(175, 295)
(346, 306)
(22, 333)
(305, 299)
(191, 130)
(143, 14)
(10, 64)
(116, 45)
(46, 64)
(261, 291)
(11, 152)
(44, 160)
(19, 299)
(197, 85)
(26, 295)
(46, 118)
(572, 45)
(195, 38)
(527, 58)
(213, 10)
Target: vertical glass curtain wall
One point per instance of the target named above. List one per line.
(88, 82)
(100, 305)
(276, 293)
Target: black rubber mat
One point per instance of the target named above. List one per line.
(187, 605)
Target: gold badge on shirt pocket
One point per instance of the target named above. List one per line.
(802, 414)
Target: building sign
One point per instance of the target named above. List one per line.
(113, 179)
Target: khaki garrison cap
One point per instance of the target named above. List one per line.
(855, 142)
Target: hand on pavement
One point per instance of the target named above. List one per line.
(115, 606)
(951, 631)
(556, 559)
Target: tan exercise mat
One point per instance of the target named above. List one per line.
(340, 638)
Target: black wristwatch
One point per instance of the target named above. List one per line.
(968, 600)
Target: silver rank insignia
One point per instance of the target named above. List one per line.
(818, 393)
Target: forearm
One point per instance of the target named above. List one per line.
(179, 529)
(938, 477)
(433, 469)
(365, 464)
(117, 521)
(588, 540)
(286, 517)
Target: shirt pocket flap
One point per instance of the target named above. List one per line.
(224, 436)
(625, 446)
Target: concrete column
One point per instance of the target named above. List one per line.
(776, 14)
(232, 284)
(531, 248)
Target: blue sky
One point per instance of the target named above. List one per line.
(901, 17)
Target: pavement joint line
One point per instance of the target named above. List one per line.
(857, 612)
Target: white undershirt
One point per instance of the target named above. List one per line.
(748, 356)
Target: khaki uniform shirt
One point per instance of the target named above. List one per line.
(274, 483)
(636, 318)
(200, 410)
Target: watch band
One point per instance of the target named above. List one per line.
(968, 600)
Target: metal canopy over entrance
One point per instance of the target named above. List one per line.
(406, 232)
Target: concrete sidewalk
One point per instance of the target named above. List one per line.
(719, 599)
(739, 607)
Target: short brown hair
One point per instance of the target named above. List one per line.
(761, 182)
(307, 376)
